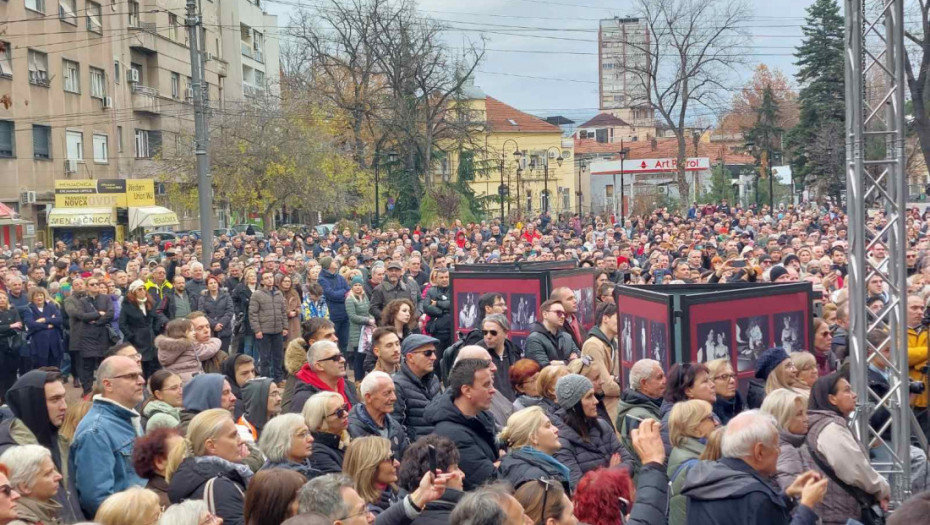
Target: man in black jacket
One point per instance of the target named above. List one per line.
(178, 301)
(438, 306)
(373, 416)
(641, 401)
(416, 384)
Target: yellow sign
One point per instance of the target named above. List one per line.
(104, 193)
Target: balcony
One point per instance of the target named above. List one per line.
(251, 91)
(143, 37)
(145, 99)
(246, 49)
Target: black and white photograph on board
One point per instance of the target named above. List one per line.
(789, 331)
(626, 337)
(713, 341)
(522, 312)
(641, 338)
(659, 342)
(752, 338)
(468, 310)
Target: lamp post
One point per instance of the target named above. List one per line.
(519, 183)
(582, 167)
(558, 160)
(503, 191)
(392, 156)
(623, 153)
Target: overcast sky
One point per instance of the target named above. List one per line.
(542, 54)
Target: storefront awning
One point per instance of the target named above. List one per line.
(151, 217)
(81, 217)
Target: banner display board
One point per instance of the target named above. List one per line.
(104, 193)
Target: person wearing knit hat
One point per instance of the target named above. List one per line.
(768, 361)
(588, 442)
(326, 262)
(777, 272)
(135, 285)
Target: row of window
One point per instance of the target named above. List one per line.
(146, 145)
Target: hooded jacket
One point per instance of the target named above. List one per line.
(158, 414)
(295, 357)
(229, 371)
(309, 383)
(581, 455)
(637, 405)
(178, 356)
(335, 289)
(328, 453)
(413, 396)
(255, 402)
(730, 492)
(205, 391)
(361, 424)
(543, 346)
(473, 436)
(228, 490)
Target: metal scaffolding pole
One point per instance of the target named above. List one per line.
(876, 181)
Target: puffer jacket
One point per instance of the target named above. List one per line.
(228, 490)
(475, 438)
(438, 305)
(581, 455)
(682, 458)
(794, 458)
(267, 312)
(335, 289)
(413, 396)
(361, 424)
(651, 496)
(158, 414)
(178, 356)
(542, 346)
(218, 310)
(357, 310)
(328, 453)
(520, 466)
(634, 404)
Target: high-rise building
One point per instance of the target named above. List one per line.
(101, 89)
(622, 61)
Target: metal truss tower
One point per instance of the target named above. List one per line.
(876, 183)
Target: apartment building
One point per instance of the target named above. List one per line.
(101, 89)
(622, 57)
(251, 37)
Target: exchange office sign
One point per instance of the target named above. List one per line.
(98, 219)
(104, 193)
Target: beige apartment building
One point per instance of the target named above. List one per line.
(101, 89)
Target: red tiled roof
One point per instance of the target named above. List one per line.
(664, 148)
(605, 120)
(500, 115)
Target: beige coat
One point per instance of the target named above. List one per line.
(600, 353)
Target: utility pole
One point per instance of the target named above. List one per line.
(204, 185)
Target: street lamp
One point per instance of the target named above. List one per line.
(519, 183)
(583, 167)
(392, 157)
(749, 147)
(502, 190)
(558, 160)
(623, 153)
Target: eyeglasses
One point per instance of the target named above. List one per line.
(428, 353)
(337, 357)
(491, 332)
(363, 512)
(135, 376)
(560, 313)
(546, 483)
(725, 377)
(340, 412)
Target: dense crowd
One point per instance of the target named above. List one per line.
(319, 379)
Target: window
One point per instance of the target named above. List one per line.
(41, 142)
(206, 93)
(71, 71)
(6, 139)
(94, 17)
(173, 26)
(138, 69)
(258, 45)
(6, 59)
(119, 138)
(38, 68)
(36, 5)
(66, 10)
(133, 14)
(101, 149)
(142, 144)
(74, 140)
(175, 85)
(259, 79)
(116, 71)
(98, 83)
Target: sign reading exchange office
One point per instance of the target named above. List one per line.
(104, 193)
(78, 220)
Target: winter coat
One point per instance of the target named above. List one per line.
(727, 409)
(730, 492)
(361, 424)
(357, 311)
(158, 414)
(267, 311)
(305, 469)
(218, 310)
(168, 307)
(756, 394)
(520, 466)
(679, 462)
(581, 455)
(100, 460)
(503, 362)
(413, 396)
(178, 356)
(242, 296)
(328, 453)
(44, 338)
(475, 438)
(438, 512)
(794, 458)
(295, 357)
(292, 303)
(829, 437)
(651, 496)
(603, 354)
(139, 329)
(196, 287)
(438, 306)
(31, 511)
(228, 490)
(303, 390)
(634, 404)
(542, 346)
(387, 292)
(525, 401)
(89, 334)
(335, 289)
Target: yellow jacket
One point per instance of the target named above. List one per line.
(917, 359)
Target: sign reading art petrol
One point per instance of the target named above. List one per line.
(104, 193)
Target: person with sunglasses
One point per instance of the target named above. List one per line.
(495, 328)
(327, 417)
(416, 384)
(89, 334)
(100, 460)
(548, 342)
(325, 370)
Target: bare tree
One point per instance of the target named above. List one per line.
(918, 54)
(692, 50)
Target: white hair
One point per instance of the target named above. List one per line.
(188, 512)
(25, 464)
(275, 440)
(642, 369)
(313, 353)
(372, 382)
(745, 430)
(470, 352)
(196, 266)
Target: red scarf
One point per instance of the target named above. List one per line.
(310, 377)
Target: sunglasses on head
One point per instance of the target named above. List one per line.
(546, 484)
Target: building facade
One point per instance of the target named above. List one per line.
(622, 61)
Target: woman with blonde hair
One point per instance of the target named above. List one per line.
(713, 450)
(785, 376)
(371, 464)
(207, 464)
(532, 440)
(789, 408)
(807, 371)
(327, 417)
(133, 506)
(689, 424)
(729, 401)
(548, 377)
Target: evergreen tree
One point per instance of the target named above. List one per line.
(816, 143)
(766, 137)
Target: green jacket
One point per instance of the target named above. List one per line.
(357, 311)
(689, 448)
(636, 405)
(158, 414)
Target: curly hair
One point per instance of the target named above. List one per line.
(415, 462)
(393, 308)
(150, 447)
(596, 497)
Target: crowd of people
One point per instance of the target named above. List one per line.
(320, 379)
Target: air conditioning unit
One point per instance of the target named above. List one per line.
(134, 75)
(107, 102)
(27, 197)
(189, 94)
(211, 56)
(71, 166)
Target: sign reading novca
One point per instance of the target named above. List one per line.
(104, 193)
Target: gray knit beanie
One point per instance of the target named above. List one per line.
(571, 388)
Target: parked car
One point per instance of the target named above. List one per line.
(241, 228)
(166, 236)
(224, 231)
(324, 229)
(193, 234)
